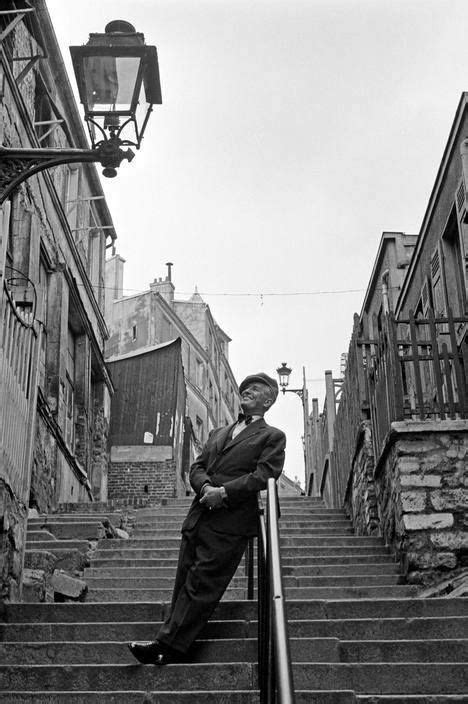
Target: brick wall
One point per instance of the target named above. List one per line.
(137, 480)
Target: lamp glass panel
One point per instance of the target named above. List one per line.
(110, 82)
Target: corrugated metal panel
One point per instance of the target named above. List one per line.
(149, 394)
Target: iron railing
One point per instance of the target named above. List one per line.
(416, 368)
(274, 657)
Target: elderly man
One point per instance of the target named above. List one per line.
(234, 465)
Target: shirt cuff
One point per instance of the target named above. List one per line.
(203, 487)
(223, 492)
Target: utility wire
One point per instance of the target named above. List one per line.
(258, 294)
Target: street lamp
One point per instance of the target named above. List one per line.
(284, 372)
(113, 71)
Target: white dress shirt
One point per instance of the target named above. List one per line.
(241, 425)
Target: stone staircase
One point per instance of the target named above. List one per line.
(358, 634)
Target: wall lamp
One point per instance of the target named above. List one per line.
(284, 372)
(114, 71)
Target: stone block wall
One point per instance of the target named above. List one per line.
(13, 515)
(422, 492)
(138, 480)
(361, 500)
(44, 478)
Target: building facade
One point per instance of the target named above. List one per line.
(54, 228)
(153, 317)
(392, 444)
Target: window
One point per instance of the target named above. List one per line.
(200, 375)
(42, 307)
(454, 276)
(199, 429)
(72, 203)
(134, 333)
(70, 391)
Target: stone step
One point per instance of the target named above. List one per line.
(410, 699)
(286, 542)
(365, 678)
(346, 557)
(107, 559)
(285, 512)
(351, 570)
(82, 545)
(234, 593)
(76, 612)
(160, 533)
(180, 697)
(285, 525)
(67, 531)
(215, 697)
(235, 650)
(295, 554)
(384, 678)
(423, 627)
(35, 535)
(386, 629)
(142, 581)
(149, 583)
(74, 518)
(358, 592)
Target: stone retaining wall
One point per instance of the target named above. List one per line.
(422, 493)
(360, 500)
(13, 516)
(416, 497)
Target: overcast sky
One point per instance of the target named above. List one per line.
(292, 134)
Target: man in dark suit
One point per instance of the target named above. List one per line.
(234, 465)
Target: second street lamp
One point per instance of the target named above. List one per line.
(114, 71)
(284, 372)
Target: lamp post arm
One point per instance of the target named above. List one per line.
(17, 165)
(299, 392)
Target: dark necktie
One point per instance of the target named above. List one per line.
(244, 418)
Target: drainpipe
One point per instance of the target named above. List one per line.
(385, 299)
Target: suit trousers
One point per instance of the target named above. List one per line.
(207, 562)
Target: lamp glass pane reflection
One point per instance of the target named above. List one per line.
(112, 83)
(283, 372)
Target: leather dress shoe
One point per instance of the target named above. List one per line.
(154, 653)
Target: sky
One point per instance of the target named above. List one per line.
(292, 134)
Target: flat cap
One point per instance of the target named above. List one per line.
(263, 379)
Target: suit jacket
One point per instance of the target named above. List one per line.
(243, 466)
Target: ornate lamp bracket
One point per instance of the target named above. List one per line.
(299, 392)
(17, 165)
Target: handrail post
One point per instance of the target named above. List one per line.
(274, 657)
(280, 630)
(250, 569)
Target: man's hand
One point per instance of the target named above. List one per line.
(213, 496)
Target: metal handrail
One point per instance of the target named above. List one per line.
(274, 657)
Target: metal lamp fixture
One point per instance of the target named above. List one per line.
(118, 83)
(284, 373)
(114, 71)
